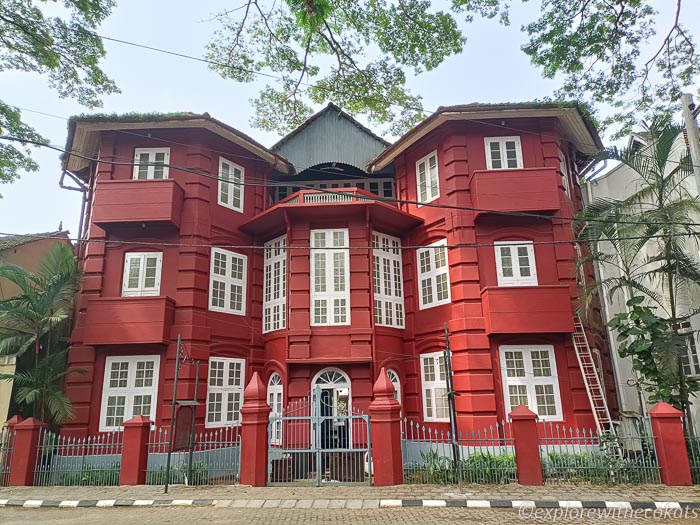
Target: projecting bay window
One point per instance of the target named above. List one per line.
(433, 275)
(529, 376)
(141, 274)
(503, 153)
(515, 263)
(275, 285)
(227, 282)
(388, 281)
(231, 185)
(434, 376)
(427, 178)
(151, 163)
(225, 391)
(330, 277)
(130, 389)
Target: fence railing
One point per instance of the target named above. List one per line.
(693, 445)
(583, 455)
(68, 460)
(7, 447)
(485, 456)
(214, 460)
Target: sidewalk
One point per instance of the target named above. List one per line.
(477, 496)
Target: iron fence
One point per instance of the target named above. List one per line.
(69, 460)
(484, 456)
(215, 458)
(584, 455)
(7, 448)
(693, 446)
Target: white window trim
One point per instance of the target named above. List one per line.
(141, 290)
(386, 252)
(396, 381)
(429, 186)
(129, 391)
(432, 385)
(275, 302)
(502, 143)
(225, 390)
(530, 380)
(233, 186)
(516, 280)
(228, 281)
(151, 167)
(433, 274)
(330, 295)
(274, 393)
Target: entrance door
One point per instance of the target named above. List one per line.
(333, 406)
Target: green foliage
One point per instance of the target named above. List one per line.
(479, 467)
(178, 473)
(595, 467)
(89, 476)
(64, 48)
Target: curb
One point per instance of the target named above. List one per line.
(368, 503)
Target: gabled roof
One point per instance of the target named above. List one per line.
(576, 126)
(84, 132)
(14, 241)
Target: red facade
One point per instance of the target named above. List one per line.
(174, 223)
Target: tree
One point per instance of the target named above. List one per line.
(63, 47)
(360, 53)
(644, 244)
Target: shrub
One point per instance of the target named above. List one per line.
(178, 473)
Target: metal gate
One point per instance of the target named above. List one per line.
(317, 441)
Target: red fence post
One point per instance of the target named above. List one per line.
(385, 418)
(25, 452)
(135, 451)
(669, 440)
(255, 419)
(527, 446)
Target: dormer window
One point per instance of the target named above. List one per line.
(151, 163)
(503, 153)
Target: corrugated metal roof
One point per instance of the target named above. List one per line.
(13, 241)
(331, 135)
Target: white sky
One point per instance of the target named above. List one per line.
(491, 69)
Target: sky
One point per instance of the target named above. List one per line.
(492, 68)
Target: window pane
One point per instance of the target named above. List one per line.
(143, 166)
(524, 261)
(219, 263)
(151, 272)
(495, 152)
(440, 257)
(214, 407)
(134, 272)
(237, 268)
(432, 162)
(442, 288)
(339, 311)
(517, 395)
(506, 261)
(376, 274)
(540, 364)
(442, 368)
(115, 411)
(320, 311)
(118, 374)
(339, 272)
(144, 374)
(319, 272)
(515, 364)
(386, 267)
(422, 183)
(234, 374)
(428, 402)
(378, 312)
(511, 154)
(428, 369)
(218, 294)
(441, 404)
(427, 290)
(216, 373)
(424, 257)
(546, 405)
(142, 406)
(236, 302)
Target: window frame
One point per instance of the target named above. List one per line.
(530, 280)
(690, 358)
(433, 275)
(141, 290)
(501, 149)
(232, 186)
(270, 302)
(429, 196)
(275, 399)
(432, 385)
(396, 381)
(228, 281)
(150, 171)
(225, 389)
(329, 295)
(529, 380)
(387, 253)
(130, 391)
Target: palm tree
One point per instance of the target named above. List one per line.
(645, 241)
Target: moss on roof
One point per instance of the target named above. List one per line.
(134, 116)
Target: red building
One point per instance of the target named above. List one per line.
(196, 230)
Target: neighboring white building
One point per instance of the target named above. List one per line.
(619, 183)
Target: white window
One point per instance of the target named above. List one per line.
(564, 172)
(130, 389)
(330, 277)
(275, 285)
(394, 378)
(434, 373)
(141, 274)
(503, 153)
(227, 281)
(529, 375)
(433, 275)
(388, 281)
(225, 391)
(427, 178)
(515, 263)
(275, 396)
(231, 185)
(689, 358)
(151, 163)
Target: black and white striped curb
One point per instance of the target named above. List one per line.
(358, 503)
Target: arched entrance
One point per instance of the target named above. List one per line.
(332, 401)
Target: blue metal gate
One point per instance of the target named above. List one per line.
(317, 441)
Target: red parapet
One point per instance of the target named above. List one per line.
(128, 320)
(527, 309)
(255, 417)
(669, 441)
(527, 446)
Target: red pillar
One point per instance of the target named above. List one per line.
(255, 418)
(385, 417)
(669, 439)
(25, 452)
(135, 451)
(527, 446)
